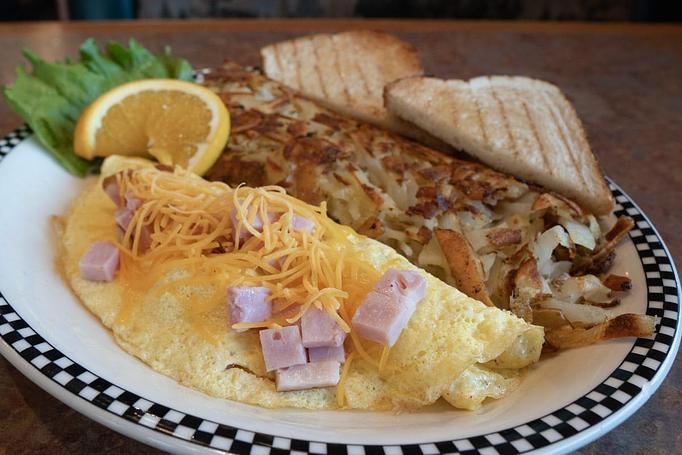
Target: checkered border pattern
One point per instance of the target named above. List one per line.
(13, 139)
(625, 383)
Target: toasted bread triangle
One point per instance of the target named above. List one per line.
(346, 71)
(518, 125)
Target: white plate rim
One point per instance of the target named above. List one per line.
(563, 430)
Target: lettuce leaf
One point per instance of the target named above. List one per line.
(51, 98)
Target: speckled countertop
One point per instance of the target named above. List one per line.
(625, 81)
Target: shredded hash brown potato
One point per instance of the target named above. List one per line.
(499, 240)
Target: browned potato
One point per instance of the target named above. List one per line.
(464, 265)
(625, 325)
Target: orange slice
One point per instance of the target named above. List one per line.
(174, 121)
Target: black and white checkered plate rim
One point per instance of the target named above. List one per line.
(630, 384)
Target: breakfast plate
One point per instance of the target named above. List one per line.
(565, 401)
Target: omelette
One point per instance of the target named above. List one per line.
(163, 257)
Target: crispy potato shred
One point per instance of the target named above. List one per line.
(499, 240)
(624, 325)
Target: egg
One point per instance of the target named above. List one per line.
(442, 350)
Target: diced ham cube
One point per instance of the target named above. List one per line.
(257, 224)
(248, 304)
(319, 329)
(337, 353)
(110, 186)
(145, 238)
(123, 217)
(302, 224)
(308, 376)
(406, 282)
(387, 309)
(282, 348)
(100, 262)
(132, 203)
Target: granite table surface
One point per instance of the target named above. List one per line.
(626, 84)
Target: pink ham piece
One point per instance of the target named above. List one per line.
(132, 203)
(308, 376)
(100, 262)
(145, 241)
(110, 186)
(257, 224)
(282, 348)
(388, 308)
(302, 224)
(123, 217)
(318, 329)
(248, 304)
(336, 353)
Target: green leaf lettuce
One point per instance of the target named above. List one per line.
(51, 98)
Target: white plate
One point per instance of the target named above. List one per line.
(564, 402)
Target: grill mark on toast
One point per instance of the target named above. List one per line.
(541, 146)
(323, 87)
(560, 124)
(363, 79)
(337, 66)
(479, 115)
(297, 66)
(505, 120)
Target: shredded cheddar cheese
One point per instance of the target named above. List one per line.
(223, 237)
(341, 389)
(383, 359)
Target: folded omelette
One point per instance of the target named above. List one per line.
(184, 247)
